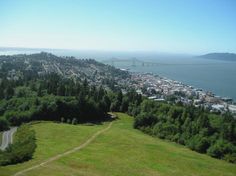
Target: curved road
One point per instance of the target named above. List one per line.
(7, 138)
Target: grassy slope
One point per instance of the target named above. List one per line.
(119, 151)
(52, 139)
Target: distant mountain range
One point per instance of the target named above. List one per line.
(220, 56)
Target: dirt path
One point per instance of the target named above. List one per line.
(22, 172)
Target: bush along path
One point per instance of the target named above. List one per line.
(23, 147)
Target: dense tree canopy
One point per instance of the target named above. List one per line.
(200, 130)
(52, 97)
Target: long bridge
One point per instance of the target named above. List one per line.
(133, 62)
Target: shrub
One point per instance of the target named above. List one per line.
(74, 121)
(230, 158)
(22, 149)
(3, 124)
(221, 148)
(68, 121)
(199, 143)
(145, 119)
(165, 130)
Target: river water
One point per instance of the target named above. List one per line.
(216, 76)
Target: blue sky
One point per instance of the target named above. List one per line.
(176, 26)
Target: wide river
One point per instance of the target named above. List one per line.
(216, 76)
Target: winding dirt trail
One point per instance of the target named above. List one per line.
(22, 172)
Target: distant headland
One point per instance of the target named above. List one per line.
(220, 56)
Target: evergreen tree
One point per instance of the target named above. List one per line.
(9, 92)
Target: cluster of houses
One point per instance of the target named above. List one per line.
(162, 89)
(14, 75)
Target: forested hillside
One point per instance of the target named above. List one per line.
(32, 91)
(52, 97)
(33, 88)
(25, 67)
(196, 128)
(47, 87)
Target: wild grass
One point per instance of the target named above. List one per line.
(121, 150)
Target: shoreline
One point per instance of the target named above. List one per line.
(215, 95)
(160, 88)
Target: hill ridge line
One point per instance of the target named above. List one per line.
(87, 142)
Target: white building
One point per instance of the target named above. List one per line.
(232, 108)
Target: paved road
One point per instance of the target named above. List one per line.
(22, 172)
(7, 138)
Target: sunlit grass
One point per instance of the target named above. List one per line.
(121, 150)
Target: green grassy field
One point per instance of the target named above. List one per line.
(121, 150)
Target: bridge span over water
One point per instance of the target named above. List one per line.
(132, 62)
(136, 62)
